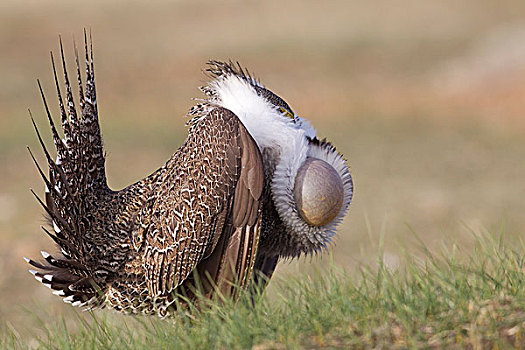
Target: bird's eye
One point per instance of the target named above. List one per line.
(287, 113)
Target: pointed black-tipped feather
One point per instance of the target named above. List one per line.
(58, 220)
(48, 211)
(56, 138)
(52, 165)
(93, 163)
(55, 199)
(63, 116)
(35, 264)
(219, 68)
(46, 181)
(72, 113)
(92, 65)
(44, 148)
(90, 73)
(65, 279)
(79, 77)
(63, 243)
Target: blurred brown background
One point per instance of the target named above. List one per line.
(425, 99)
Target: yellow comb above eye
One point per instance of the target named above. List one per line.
(286, 112)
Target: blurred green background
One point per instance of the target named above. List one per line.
(426, 100)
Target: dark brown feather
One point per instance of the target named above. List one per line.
(221, 154)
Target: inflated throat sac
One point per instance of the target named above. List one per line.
(318, 192)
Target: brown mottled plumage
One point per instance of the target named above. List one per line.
(196, 221)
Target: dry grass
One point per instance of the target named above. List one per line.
(424, 99)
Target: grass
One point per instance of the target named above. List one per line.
(451, 299)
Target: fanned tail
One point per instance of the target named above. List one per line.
(76, 179)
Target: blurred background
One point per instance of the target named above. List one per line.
(426, 100)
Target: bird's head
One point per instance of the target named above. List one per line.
(311, 186)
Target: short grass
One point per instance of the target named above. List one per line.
(452, 299)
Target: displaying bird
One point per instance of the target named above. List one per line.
(251, 184)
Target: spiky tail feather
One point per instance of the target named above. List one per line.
(75, 179)
(68, 279)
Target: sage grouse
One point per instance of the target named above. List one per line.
(250, 185)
